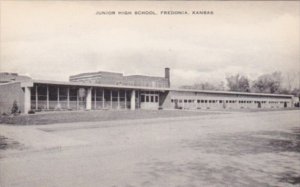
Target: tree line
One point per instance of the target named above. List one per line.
(266, 83)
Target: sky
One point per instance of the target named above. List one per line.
(53, 40)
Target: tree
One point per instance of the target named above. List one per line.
(268, 83)
(296, 92)
(291, 80)
(238, 83)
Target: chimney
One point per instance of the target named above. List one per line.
(167, 76)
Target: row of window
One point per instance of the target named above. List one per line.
(277, 102)
(149, 98)
(221, 101)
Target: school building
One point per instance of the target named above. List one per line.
(115, 91)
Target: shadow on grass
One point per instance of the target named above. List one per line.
(6, 143)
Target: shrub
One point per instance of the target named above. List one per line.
(31, 112)
(15, 108)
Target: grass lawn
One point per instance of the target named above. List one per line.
(43, 118)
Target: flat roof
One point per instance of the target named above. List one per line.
(232, 92)
(99, 85)
(155, 88)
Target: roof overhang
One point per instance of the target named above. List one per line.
(98, 85)
(232, 93)
(82, 84)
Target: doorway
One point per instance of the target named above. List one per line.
(259, 104)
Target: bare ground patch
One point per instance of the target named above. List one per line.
(250, 143)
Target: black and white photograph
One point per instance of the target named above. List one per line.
(149, 93)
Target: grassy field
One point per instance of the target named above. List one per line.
(43, 118)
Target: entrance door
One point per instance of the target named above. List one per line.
(259, 104)
(149, 100)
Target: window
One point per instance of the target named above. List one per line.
(152, 98)
(220, 101)
(185, 101)
(156, 99)
(198, 101)
(205, 101)
(147, 98)
(142, 98)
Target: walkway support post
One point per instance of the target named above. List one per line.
(36, 97)
(125, 100)
(89, 99)
(118, 99)
(111, 101)
(68, 97)
(103, 99)
(77, 99)
(95, 99)
(58, 103)
(27, 99)
(132, 100)
(47, 97)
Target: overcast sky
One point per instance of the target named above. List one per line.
(52, 40)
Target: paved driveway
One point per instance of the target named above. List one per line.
(237, 149)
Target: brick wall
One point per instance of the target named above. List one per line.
(9, 93)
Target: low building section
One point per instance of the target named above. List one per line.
(227, 100)
(13, 77)
(10, 93)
